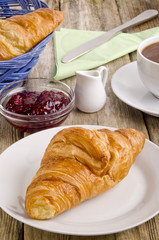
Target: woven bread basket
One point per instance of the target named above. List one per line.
(19, 67)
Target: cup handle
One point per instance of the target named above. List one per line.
(103, 71)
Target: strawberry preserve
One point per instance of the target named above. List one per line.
(34, 103)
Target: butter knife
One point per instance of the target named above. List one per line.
(90, 45)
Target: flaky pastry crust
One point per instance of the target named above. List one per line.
(20, 33)
(79, 164)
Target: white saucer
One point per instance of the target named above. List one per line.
(128, 87)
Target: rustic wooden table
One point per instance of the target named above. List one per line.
(90, 15)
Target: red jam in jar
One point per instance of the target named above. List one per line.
(34, 103)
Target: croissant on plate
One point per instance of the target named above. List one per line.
(79, 164)
(20, 33)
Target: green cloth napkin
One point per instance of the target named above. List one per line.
(67, 39)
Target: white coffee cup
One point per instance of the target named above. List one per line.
(148, 70)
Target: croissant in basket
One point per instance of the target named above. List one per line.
(20, 33)
(79, 164)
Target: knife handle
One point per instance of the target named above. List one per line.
(142, 17)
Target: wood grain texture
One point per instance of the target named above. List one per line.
(90, 15)
(149, 230)
(10, 229)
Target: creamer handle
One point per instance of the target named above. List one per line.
(104, 72)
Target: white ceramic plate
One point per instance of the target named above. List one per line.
(128, 87)
(130, 203)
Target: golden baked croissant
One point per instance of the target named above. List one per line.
(20, 33)
(79, 164)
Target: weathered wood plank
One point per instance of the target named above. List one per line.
(10, 229)
(114, 111)
(43, 69)
(90, 15)
(72, 10)
(149, 230)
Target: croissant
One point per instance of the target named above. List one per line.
(20, 33)
(79, 164)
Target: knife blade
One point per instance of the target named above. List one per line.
(90, 45)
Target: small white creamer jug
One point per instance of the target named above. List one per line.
(90, 95)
